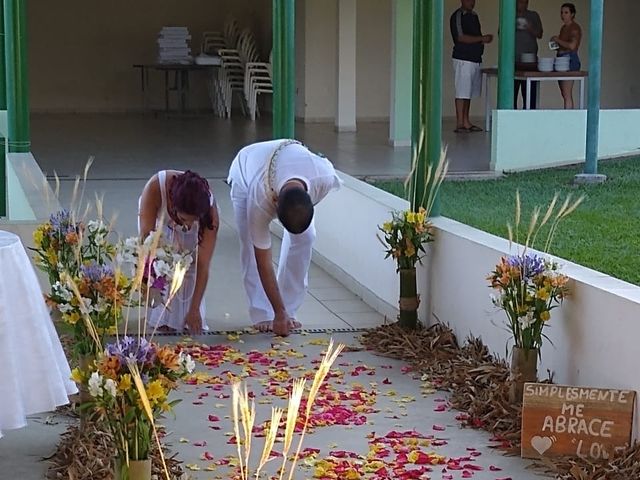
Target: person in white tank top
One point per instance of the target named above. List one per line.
(191, 222)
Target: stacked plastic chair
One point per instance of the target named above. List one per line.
(257, 78)
(212, 44)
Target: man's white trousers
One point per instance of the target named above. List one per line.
(293, 266)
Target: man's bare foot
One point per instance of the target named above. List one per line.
(166, 329)
(281, 327)
(264, 327)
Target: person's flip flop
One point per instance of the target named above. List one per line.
(473, 128)
(461, 130)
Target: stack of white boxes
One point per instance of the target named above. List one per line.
(173, 45)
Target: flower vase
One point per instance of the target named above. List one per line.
(524, 368)
(135, 470)
(84, 363)
(409, 300)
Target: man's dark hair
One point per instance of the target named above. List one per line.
(295, 210)
(570, 6)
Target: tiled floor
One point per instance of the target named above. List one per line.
(135, 146)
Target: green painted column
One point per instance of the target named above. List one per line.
(426, 124)
(284, 68)
(17, 75)
(277, 69)
(595, 75)
(3, 106)
(507, 54)
(400, 122)
(418, 119)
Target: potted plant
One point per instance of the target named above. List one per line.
(404, 237)
(529, 286)
(129, 386)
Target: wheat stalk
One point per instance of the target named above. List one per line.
(272, 433)
(293, 411)
(245, 416)
(321, 373)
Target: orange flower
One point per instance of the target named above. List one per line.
(168, 358)
(71, 238)
(109, 367)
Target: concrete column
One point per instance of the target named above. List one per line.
(346, 82)
(401, 52)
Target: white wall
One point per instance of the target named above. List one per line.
(594, 333)
(559, 137)
(320, 60)
(373, 60)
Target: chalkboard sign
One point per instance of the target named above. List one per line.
(586, 422)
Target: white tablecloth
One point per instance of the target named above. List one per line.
(34, 373)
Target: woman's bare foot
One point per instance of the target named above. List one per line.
(264, 327)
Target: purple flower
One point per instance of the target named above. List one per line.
(160, 283)
(138, 349)
(95, 272)
(530, 265)
(62, 223)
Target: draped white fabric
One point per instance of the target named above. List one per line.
(34, 372)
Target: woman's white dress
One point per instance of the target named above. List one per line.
(35, 374)
(173, 316)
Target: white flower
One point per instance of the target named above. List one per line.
(187, 362)
(161, 253)
(110, 387)
(64, 307)
(149, 239)
(95, 385)
(161, 268)
(87, 306)
(62, 291)
(526, 322)
(131, 243)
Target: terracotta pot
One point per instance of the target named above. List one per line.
(524, 368)
(136, 470)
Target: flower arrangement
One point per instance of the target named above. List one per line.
(130, 384)
(160, 260)
(57, 245)
(98, 292)
(529, 287)
(405, 235)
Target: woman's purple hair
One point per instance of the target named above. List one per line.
(190, 194)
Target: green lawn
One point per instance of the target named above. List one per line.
(603, 233)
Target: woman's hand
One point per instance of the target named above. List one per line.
(193, 321)
(554, 38)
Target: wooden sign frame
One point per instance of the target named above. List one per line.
(591, 423)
